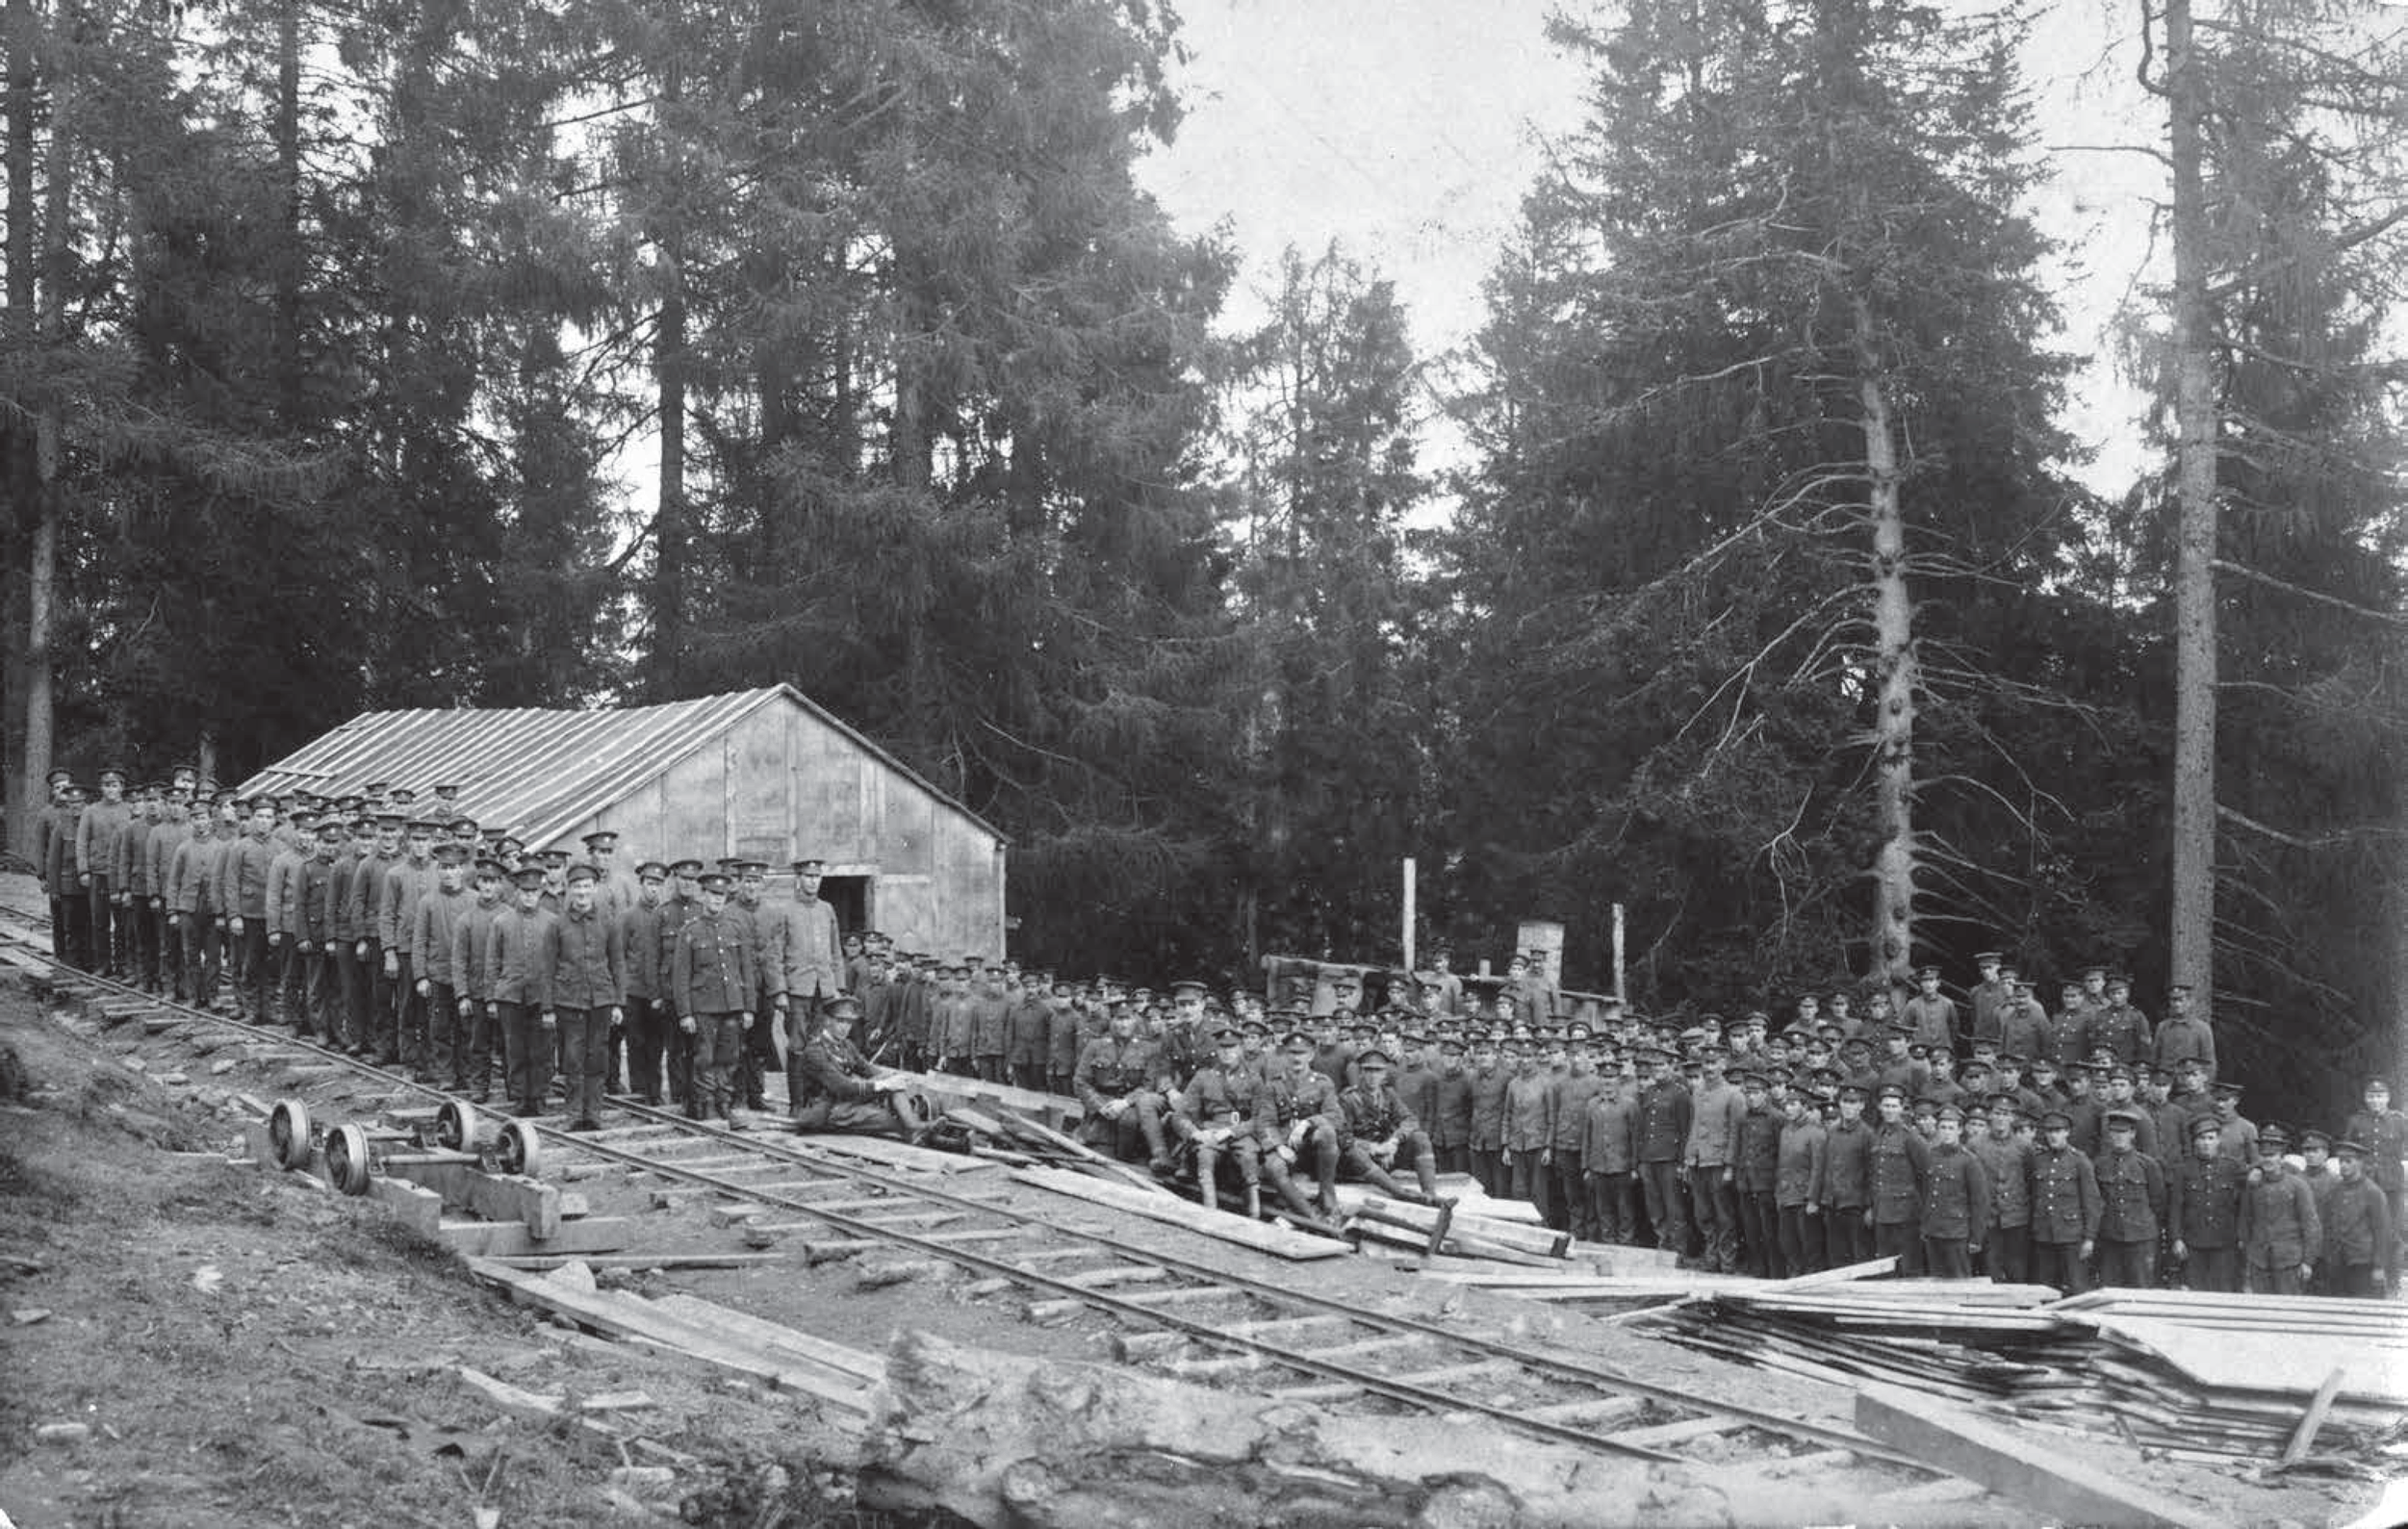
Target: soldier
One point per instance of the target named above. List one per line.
(53, 863)
(1121, 1083)
(683, 903)
(1957, 1199)
(1755, 1166)
(2066, 1208)
(191, 896)
(1216, 1117)
(1710, 1163)
(619, 889)
(2360, 1248)
(586, 950)
(2118, 1027)
(1451, 1107)
(166, 841)
(1025, 1029)
(2239, 1133)
(2203, 1212)
(1297, 1113)
(1444, 985)
(1569, 1207)
(1064, 1038)
(397, 922)
(1931, 1015)
(1901, 1163)
(1378, 1129)
(435, 981)
(2132, 1201)
(1528, 1092)
(2184, 1035)
(2384, 1132)
(1609, 1162)
(2280, 1236)
(806, 953)
(320, 1011)
(284, 915)
(1797, 1183)
(520, 1007)
(129, 875)
(838, 1090)
(1666, 1113)
(1490, 1081)
(2005, 1158)
(1845, 1191)
(243, 902)
(713, 985)
(95, 833)
(648, 1022)
(473, 993)
(2023, 1024)
(757, 1048)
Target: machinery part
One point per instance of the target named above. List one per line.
(346, 1158)
(288, 1133)
(460, 1127)
(519, 1149)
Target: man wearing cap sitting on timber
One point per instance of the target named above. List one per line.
(1297, 1116)
(588, 957)
(1121, 1085)
(2132, 1206)
(1215, 1115)
(2066, 1208)
(713, 985)
(806, 955)
(2281, 1236)
(2203, 1211)
(1380, 1130)
(1956, 1202)
(838, 1090)
(2360, 1250)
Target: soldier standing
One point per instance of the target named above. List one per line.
(520, 1005)
(2281, 1237)
(1755, 1165)
(1900, 1168)
(1847, 1190)
(2383, 1133)
(2131, 1202)
(1568, 1120)
(2182, 1036)
(1609, 1162)
(1956, 1202)
(95, 833)
(1797, 1181)
(588, 988)
(2066, 1208)
(2360, 1248)
(2118, 1027)
(806, 953)
(2007, 1172)
(713, 985)
(2203, 1212)
(683, 902)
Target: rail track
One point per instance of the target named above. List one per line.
(1280, 1336)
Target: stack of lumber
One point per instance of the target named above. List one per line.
(1466, 1227)
(999, 1134)
(2127, 1364)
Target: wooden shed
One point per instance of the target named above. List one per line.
(760, 774)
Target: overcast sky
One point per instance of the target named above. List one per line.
(1408, 129)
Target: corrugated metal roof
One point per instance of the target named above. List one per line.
(539, 771)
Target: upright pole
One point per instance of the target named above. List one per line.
(1408, 913)
(1622, 984)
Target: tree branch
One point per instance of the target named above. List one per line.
(2392, 617)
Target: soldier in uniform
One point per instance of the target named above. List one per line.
(1490, 1081)
(1609, 1162)
(806, 953)
(284, 915)
(1931, 1015)
(1380, 1130)
(1846, 1193)
(1121, 1083)
(95, 834)
(1297, 1113)
(586, 951)
(1451, 1107)
(2281, 1237)
(2384, 1132)
(1755, 1166)
(436, 981)
(2203, 1212)
(321, 1006)
(1957, 1199)
(2132, 1206)
(243, 902)
(2066, 1208)
(1568, 1204)
(683, 902)
(838, 1090)
(406, 883)
(2360, 1249)
(53, 862)
(2183, 1036)
(2023, 1024)
(1902, 1164)
(1710, 1163)
(713, 985)
(2118, 1027)
(2005, 1158)
(473, 995)
(1797, 1181)
(520, 1008)
(1216, 1117)
(649, 1025)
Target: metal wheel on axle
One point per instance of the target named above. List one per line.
(346, 1158)
(457, 1127)
(519, 1149)
(288, 1133)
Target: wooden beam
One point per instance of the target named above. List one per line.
(2314, 1418)
(2008, 1462)
(472, 1239)
(1271, 1240)
(497, 1197)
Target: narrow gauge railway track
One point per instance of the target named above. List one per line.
(1261, 1326)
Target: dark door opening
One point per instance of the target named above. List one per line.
(850, 897)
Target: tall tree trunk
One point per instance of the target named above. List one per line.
(1895, 665)
(288, 261)
(24, 486)
(2193, 933)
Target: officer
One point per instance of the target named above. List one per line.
(712, 984)
(2203, 1211)
(838, 1090)
(1380, 1130)
(2066, 1208)
(1298, 1114)
(1216, 1117)
(1122, 1084)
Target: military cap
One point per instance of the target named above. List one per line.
(403, 794)
(2115, 980)
(578, 874)
(490, 868)
(1949, 1112)
(1898, 1026)
(1186, 987)
(1922, 971)
(414, 827)
(1987, 957)
(2272, 1134)
(2056, 1120)
(2313, 1137)
(651, 871)
(2119, 1070)
(447, 790)
(1374, 1057)
(2224, 1088)
(2043, 1063)
(2023, 982)
(391, 820)
(2008, 1101)
(1449, 1043)
(715, 881)
(752, 868)
(2178, 987)
(2123, 1119)
(2384, 1083)
(330, 831)
(808, 866)
(1923, 1105)
(1852, 1090)
(2353, 1147)
(1755, 1078)
(2205, 1126)
(1296, 1044)
(527, 878)
(452, 854)
(685, 867)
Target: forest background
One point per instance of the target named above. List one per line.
(1764, 601)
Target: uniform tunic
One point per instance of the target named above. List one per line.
(2132, 1196)
(2066, 1205)
(1957, 1198)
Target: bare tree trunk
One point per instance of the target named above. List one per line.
(289, 263)
(2192, 933)
(22, 521)
(1898, 672)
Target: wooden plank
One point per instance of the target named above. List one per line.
(418, 1207)
(2293, 1362)
(2006, 1459)
(497, 1197)
(1868, 1269)
(2314, 1418)
(1291, 1245)
(477, 1239)
(541, 1262)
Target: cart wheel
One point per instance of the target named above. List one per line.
(455, 1126)
(519, 1149)
(288, 1133)
(346, 1158)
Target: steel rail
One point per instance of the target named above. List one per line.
(1557, 1368)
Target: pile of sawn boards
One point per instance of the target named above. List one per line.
(2187, 1375)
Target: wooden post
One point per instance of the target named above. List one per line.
(1622, 984)
(1408, 913)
